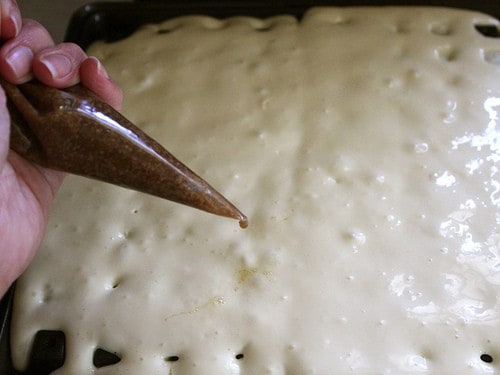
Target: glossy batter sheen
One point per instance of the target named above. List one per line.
(363, 144)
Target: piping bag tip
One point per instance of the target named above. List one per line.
(180, 184)
(219, 205)
(73, 131)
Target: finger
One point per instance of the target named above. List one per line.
(93, 75)
(10, 19)
(58, 66)
(4, 129)
(16, 55)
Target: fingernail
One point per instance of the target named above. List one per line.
(15, 16)
(20, 60)
(58, 65)
(100, 68)
(12, 16)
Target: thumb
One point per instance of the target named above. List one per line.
(4, 129)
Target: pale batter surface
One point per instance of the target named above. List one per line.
(364, 146)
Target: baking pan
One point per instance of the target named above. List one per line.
(111, 21)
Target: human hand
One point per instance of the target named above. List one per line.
(27, 190)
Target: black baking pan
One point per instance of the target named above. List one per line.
(111, 21)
